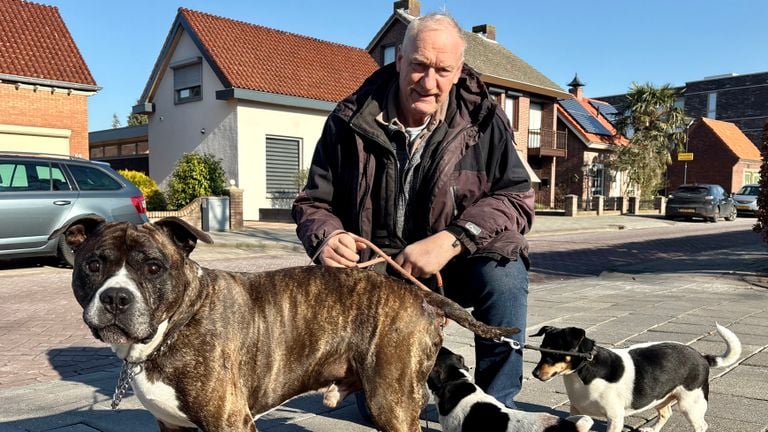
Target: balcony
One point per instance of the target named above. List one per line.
(546, 142)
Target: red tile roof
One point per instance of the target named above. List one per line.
(259, 58)
(733, 138)
(35, 43)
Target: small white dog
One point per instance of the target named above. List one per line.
(614, 383)
(463, 406)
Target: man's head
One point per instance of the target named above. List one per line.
(429, 64)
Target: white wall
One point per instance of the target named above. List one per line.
(176, 129)
(256, 121)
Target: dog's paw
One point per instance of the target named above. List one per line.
(331, 396)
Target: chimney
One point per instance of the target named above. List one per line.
(488, 31)
(575, 87)
(411, 7)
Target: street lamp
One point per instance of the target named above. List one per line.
(685, 166)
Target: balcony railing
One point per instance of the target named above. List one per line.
(547, 142)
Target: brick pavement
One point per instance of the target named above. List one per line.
(617, 308)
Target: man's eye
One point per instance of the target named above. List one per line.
(94, 266)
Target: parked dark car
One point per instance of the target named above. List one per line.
(707, 201)
(41, 193)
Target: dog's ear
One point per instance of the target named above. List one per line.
(586, 345)
(542, 331)
(182, 233)
(575, 333)
(78, 230)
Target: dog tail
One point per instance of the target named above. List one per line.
(583, 423)
(732, 353)
(455, 312)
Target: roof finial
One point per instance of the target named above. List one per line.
(576, 82)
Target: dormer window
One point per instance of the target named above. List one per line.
(187, 80)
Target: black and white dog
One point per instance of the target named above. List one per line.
(463, 406)
(614, 383)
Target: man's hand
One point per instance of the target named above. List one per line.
(426, 257)
(341, 251)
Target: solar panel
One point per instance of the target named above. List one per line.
(606, 109)
(584, 118)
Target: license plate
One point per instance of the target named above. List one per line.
(742, 207)
(687, 210)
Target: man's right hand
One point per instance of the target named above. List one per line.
(341, 251)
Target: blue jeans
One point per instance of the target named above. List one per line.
(498, 294)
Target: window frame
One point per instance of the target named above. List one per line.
(182, 83)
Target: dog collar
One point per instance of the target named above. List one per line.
(127, 374)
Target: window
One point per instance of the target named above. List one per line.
(282, 165)
(31, 176)
(712, 105)
(510, 108)
(187, 80)
(93, 179)
(389, 54)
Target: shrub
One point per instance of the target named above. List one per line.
(195, 175)
(761, 226)
(152, 194)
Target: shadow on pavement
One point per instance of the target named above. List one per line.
(77, 363)
(713, 254)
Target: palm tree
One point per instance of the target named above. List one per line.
(655, 128)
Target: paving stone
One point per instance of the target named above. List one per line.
(746, 381)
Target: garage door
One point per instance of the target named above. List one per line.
(34, 139)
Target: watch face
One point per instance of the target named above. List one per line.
(472, 228)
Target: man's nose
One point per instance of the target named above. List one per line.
(428, 80)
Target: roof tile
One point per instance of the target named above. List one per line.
(259, 58)
(35, 43)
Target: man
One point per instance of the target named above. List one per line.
(421, 161)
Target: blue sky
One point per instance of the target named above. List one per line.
(608, 43)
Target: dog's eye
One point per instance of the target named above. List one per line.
(153, 268)
(94, 266)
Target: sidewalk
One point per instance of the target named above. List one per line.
(645, 302)
(283, 235)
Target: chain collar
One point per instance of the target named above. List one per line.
(127, 374)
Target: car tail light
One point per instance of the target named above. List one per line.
(139, 204)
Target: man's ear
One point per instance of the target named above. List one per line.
(182, 233)
(78, 230)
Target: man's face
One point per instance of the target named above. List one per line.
(429, 66)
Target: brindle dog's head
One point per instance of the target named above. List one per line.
(131, 279)
(569, 339)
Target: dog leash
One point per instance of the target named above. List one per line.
(381, 257)
(516, 345)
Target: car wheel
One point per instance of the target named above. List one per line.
(715, 216)
(66, 254)
(731, 217)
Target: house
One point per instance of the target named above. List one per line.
(253, 96)
(591, 141)
(124, 148)
(722, 154)
(527, 96)
(44, 82)
(738, 99)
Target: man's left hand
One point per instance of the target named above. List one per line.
(427, 256)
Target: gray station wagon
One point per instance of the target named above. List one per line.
(41, 193)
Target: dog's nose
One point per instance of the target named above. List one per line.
(116, 300)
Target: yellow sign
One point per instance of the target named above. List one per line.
(685, 156)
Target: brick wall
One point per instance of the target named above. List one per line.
(713, 162)
(42, 108)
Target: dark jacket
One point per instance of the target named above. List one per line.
(470, 182)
